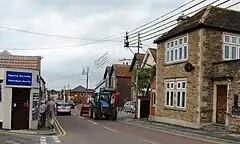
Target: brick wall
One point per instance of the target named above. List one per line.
(177, 71)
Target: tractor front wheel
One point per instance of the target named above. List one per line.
(114, 115)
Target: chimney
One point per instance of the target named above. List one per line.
(182, 18)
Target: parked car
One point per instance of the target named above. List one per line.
(129, 106)
(72, 104)
(63, 107)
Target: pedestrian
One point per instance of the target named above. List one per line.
(42, 112)
(50, 109)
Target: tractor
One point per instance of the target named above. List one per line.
(104, 104)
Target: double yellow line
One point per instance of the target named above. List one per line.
(62, 132)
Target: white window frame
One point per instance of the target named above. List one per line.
(171, 91)
(231, 45)
(176, 47)
(154, 98)
(182, 90)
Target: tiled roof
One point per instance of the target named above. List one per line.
(15, 61)
(79, 89)
(212, 17)
(121, 70)
(141, 57)
(107, 71)
(153, 51)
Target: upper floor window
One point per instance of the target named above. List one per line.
(231, 47)
(176, 50)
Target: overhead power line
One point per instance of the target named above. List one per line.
(155, 36)
(155, 32)
(54, 35)
(161, 16)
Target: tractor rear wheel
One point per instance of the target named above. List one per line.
(114, 115)
(95, 115)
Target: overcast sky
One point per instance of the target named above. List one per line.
(89, 19)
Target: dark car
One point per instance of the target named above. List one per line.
(71, 103)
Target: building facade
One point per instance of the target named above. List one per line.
(197, 70)
(19, 91)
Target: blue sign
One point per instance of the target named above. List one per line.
(19, 78)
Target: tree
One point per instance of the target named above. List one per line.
(145, 77)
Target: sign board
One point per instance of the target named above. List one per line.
(18, 78)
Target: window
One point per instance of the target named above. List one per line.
(176, 50)
(153, 98)
(181, 94)
(169, 93)
(231, 47)
(176, 91)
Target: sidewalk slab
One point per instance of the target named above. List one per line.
(34, 132)
(218, 135)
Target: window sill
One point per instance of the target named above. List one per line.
(175, 108)
(175, 63)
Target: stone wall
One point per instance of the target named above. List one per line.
(191, 113)
(230, 69)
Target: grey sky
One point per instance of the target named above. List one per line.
(93, 19)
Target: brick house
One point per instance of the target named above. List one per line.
(198, 70)
(78, 94)
(118, 76)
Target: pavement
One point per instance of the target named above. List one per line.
(82, 130)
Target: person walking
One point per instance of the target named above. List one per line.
(42, 112)
(50, 109)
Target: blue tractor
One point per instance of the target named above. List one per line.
(102, 105)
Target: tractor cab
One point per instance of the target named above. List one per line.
(104, 104)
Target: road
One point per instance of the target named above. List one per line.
(81, 130)
(6, 138)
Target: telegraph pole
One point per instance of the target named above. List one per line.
(64, 93)
(87, 74)
(137, 62)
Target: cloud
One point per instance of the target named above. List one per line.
(93, 19)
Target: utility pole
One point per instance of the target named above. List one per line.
(87, 74)
(137, 63)
(64, 93)
(68, 93)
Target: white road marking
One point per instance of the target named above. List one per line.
(56, 139)
(81, 117)
(12, 142)
(43, 139)
(74, 113)
(110, 129)
(147, 141)
(93, 122)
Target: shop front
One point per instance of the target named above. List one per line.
(19, 98)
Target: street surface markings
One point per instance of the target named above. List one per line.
(74, 114)
(93, 122)
(110, 129)
(81, 117)
(43, 140)
(147, 141)
(56, 139)
(11, 142)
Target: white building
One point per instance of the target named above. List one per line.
(19, 76)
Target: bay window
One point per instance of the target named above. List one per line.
(176, 50)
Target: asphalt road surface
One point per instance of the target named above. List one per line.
(81, 130)
(24, 139)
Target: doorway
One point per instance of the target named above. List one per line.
(20, 108)
(221, 107)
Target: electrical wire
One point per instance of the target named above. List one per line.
(161, 16)
(157, 35)
(50, 35)
(135, 33)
